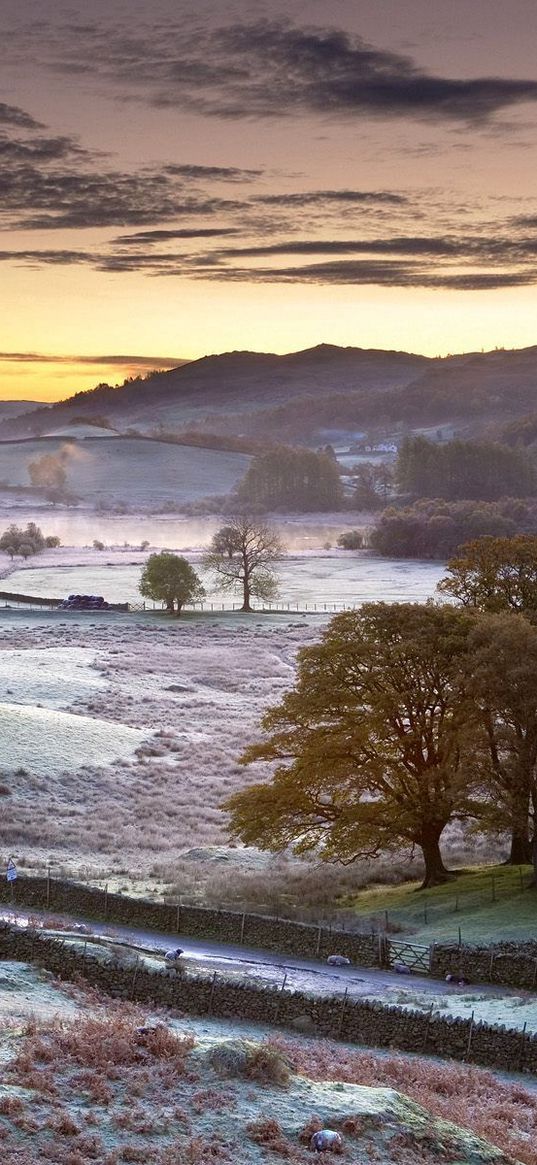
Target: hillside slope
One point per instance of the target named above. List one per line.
(134, 471)
(234, 381)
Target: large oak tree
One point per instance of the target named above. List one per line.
(503, 683)
(371, 744)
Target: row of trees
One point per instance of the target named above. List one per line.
(290, 478)
(435, 528)
(242, 556)
(406, 717)
(481, 470)
(25, 542)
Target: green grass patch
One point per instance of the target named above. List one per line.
(487, 903)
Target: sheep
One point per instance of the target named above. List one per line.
(338, 961)
(326, 1140)
(173, 956)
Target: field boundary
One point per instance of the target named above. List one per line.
(339, 1018)
(508, 964)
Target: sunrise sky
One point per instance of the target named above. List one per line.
(184, 179)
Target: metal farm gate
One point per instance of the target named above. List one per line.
(412, 955)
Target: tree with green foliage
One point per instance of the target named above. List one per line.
(503, 682)
(351, 540)
(242, 555)
(288, 478)
(464, 470)
(436, 529)
(169, 578)
(495, 574)
(372, 745)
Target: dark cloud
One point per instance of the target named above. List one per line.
(385, 274)
(51, 182)
(319, 197)
(271, 68)
(164, 236)
(419, 263)
(12, 115)
(156, 362)
(213, 173)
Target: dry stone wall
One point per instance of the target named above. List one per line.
(250, 930)
(354, 1021)
(507, 964)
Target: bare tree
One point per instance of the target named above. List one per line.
(242, 554)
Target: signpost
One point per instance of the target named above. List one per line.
(11, 876)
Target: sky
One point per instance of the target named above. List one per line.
(180, 179)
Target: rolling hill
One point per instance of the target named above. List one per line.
(235, 382)
(302, 395)
(133, 471)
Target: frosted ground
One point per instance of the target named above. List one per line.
(77, 1085)
(321, 577)
(133, 471)
(124, 732)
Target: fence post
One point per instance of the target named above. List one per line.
(491, 967)
(106, 902)
(178, 918)
(210, 1006)
(427, 1026)
(243, 921)
(278, 999)
(342, 1012)
(133, 988)
(522, 1055)
(48, 887)
(470, 1034)
(318, 947)
(431, 957)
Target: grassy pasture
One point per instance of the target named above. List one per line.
(487, 903)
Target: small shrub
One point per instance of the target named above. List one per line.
(267, 1065)
(11, 1105)
(267, 1132)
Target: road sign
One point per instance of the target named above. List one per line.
(11, 873)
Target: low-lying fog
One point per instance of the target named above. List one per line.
(80, 528)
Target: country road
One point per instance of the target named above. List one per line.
(301, 974)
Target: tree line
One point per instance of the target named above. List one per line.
(456, 470)
(23, 542)
(406, 717)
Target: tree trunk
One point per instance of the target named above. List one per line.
(246, 594)
(520, 853)
(169, 606)
(435, 870)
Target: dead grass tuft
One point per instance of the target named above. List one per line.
(267, 1132)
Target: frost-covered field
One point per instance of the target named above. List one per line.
(133, 471)
(193, 691)
(122, 733)
(322, 577)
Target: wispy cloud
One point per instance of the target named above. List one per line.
(142, 362)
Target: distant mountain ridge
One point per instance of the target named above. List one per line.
(367, 386)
